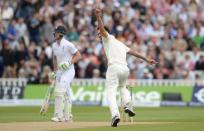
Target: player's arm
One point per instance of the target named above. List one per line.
(52, 75)
(138, 55)
(102, 30)
(76, 57)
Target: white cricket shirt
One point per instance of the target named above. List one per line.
(63, 51)
(115, 50)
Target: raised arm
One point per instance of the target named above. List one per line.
(102, 30)
(134, 53)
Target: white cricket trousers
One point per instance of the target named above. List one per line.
(116, 78)
(62, 93)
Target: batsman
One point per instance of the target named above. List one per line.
(117, 72)
(65, 55)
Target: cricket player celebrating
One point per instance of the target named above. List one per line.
(65, 55)
(117, 72)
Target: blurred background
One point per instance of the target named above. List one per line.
(169, 31)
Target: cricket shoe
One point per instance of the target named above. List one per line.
(115, 121)
(69, 119)
(56, 119)
(130, 112)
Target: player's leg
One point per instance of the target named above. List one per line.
(125, 93)
(111, 89)
(68, 77)
(68, 108)
(59, 94)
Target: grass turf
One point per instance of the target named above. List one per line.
(184, 118)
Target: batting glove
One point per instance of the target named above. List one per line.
(52, 75)
(64, 66)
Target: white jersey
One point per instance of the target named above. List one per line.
(63, 51)
(115, 51)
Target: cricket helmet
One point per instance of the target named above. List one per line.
(60, 29)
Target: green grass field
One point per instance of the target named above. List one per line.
(174, 118)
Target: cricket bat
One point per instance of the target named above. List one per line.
(46, 102)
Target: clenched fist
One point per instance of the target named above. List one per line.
(151, 61)
(98, 11)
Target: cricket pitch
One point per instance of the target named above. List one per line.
(44, 126)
